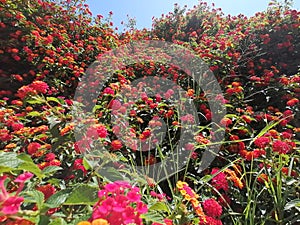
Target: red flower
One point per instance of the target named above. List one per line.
(292, 102)
(78, 165)
(39, 86)
(24, 91)
(115, 104)
(226, 122)
(116, 145)
(47, 190)
(212, 208)
(17, 126)
(219, 181)
(33, 147)
(281, 147)
(262, 142)
(211, 221)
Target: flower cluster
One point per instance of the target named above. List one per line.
(119, 203)
(189, 195)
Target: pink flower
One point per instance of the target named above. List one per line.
(11, 205)
(96, 131)
(219, 181)
(119, 203)
(3, 193)
(189, 147)
(188, 118)
(108, 91)
(23, 177)
(115, 104)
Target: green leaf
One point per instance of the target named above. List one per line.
(29, 165)
(292, 204)
(53, 99)
(4, 169)
(160, 206)
(153, 217)
(58, 221)
(34, 197)
(24, 157)
(58, 198)
(43, 220)
(83, 195)
(86, 164)
(35, 101)
(9, 160)
(51, 169)
(33, 114)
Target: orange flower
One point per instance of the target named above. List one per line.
(11, 145)
(84, 223)
(190, 92)
(66, 129)
(236, 180)
(189, 195)
(100, 222)
(262, 178)
(116, 144)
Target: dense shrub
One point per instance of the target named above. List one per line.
(46, 47)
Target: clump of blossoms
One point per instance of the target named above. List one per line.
(119, 203)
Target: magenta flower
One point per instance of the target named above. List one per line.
(119, 203)
(24, 177)
(11, 205)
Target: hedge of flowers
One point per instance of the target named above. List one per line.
(46, 177)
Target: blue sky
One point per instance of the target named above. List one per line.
(144, 10)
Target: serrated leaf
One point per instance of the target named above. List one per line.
(83, 195)
(28, 165)
(43, 220)
(9, 160)
(153, 217)
(34, 196)
(31, 167)
(159, 206)
(58, 198)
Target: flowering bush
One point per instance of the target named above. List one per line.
(45, 49)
